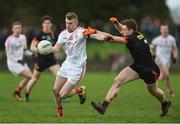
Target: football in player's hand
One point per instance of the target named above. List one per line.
(44, 47)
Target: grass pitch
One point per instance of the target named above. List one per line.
(134, 103)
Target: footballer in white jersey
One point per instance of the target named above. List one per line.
(73, 40)
(16, 45)
(165, 51)
(164, 46)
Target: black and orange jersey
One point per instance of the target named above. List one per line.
(45, 58)
(46, 36)
(139, 49)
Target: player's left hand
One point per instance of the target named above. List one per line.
(88, 31)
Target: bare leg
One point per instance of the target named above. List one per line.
(126, 75)
(27, 76)
(157, 92)
(54, 69)
(165, 77)
(59, 83)
(31, 83)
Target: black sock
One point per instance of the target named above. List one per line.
(105, 103)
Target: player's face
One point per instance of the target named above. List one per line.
(125, 30)
(17, 29)
(164, 30)
(71, 25)
(47, 25)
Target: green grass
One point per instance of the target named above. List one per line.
(104, 48)
(134, 104)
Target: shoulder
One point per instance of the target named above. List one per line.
(63, 32)
(135, 35)
(81, 28)
(37, 33)
(22, 36)
(157, 39)
(9, 38)
(171, 37)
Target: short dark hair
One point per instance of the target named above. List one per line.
(131, 24)
(46, 17)
(71, 15)
(16, 23)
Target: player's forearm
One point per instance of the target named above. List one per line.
(98, 36)
(175, 52)
(118, 39)
(56, 48)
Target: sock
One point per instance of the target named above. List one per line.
(18, 89)
(78, 90)
(27, 94)
(106, 103)
(59, 107)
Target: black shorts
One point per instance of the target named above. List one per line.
(149, 74)
(46, 62)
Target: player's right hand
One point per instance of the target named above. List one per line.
(113, 19)
(88, 31)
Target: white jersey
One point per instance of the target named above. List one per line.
(163, 47)
(74, 44)
(15, 47)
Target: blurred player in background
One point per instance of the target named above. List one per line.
(143, 67)
(16, 47)
(42, 61)
(73, 40)
(165, 49)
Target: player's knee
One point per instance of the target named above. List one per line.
(55, 92)
(166, 75)
(62, 95)
(118, 82)
(35, 78)
(29, 77)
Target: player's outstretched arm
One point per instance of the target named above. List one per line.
(93, 33)
(116, 39)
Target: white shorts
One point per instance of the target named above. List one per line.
(73, 73)
(16, 68)
(163, 61)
